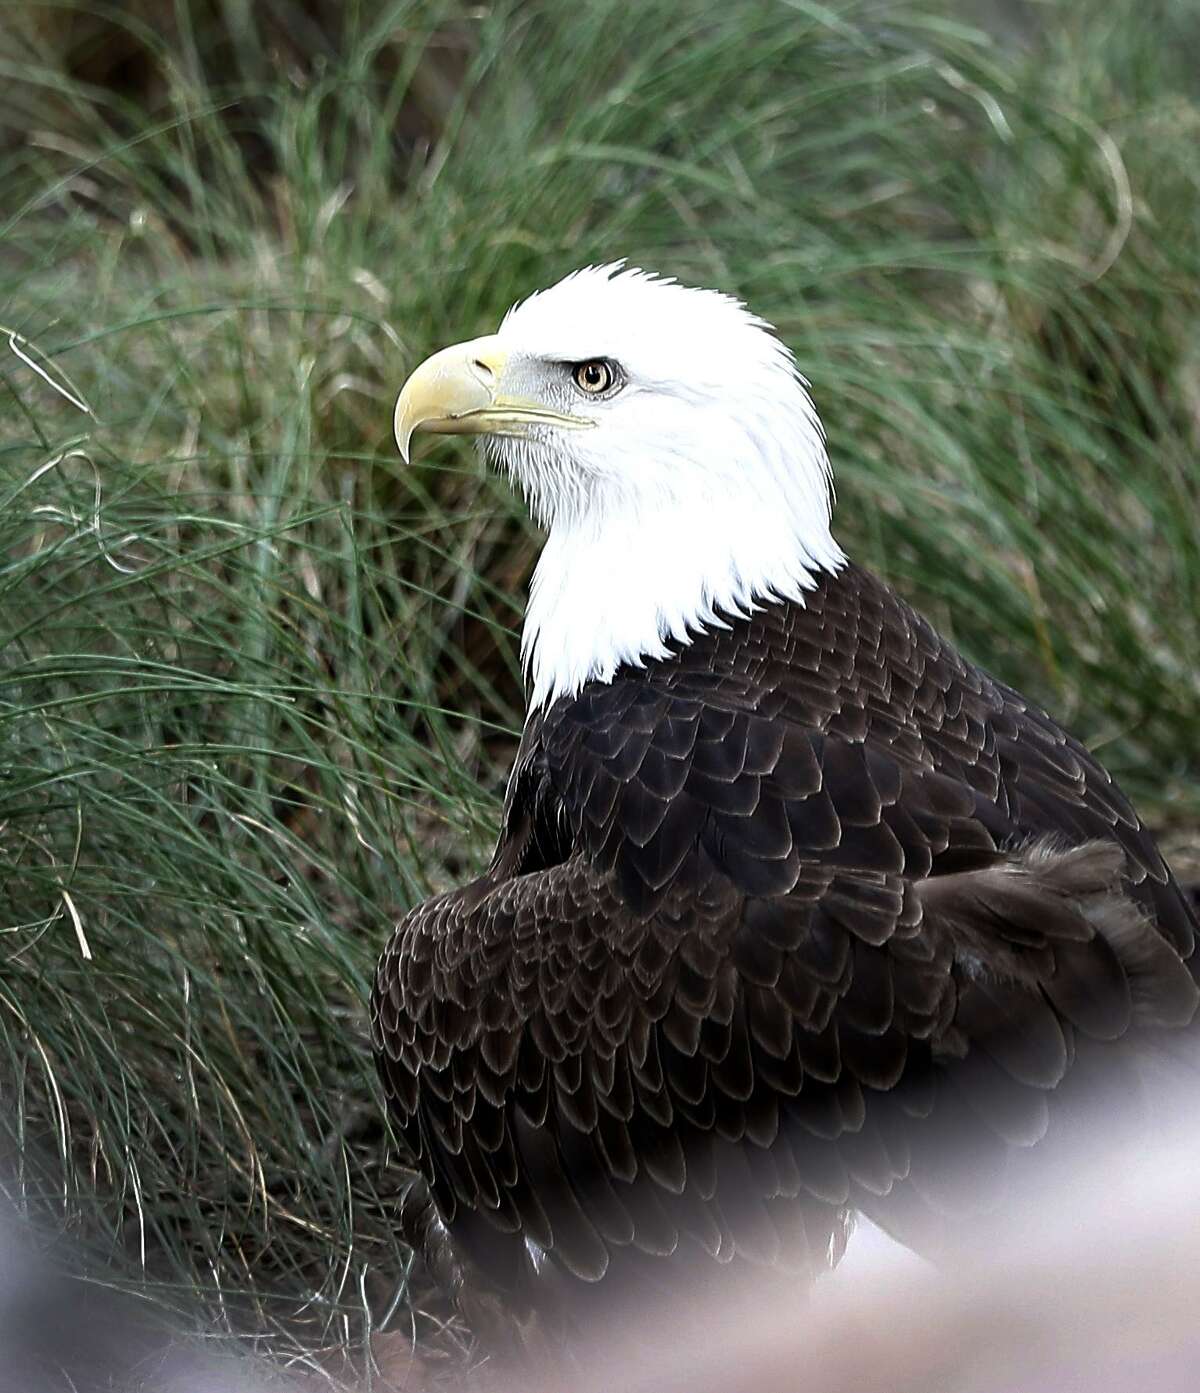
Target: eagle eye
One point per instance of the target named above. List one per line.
(595, 376)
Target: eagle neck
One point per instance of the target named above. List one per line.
(606, 595)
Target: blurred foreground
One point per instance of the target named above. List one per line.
(1092, 1284)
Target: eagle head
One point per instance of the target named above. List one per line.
(664, 438)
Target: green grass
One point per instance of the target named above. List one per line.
(259, 682)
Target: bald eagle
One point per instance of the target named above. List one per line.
(791, 902)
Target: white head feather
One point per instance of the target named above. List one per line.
(703, 486)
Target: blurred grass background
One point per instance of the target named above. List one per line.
(259, 685)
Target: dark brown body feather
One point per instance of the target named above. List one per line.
(770, 924)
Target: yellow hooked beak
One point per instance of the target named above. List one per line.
(459, 391)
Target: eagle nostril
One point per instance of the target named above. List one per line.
(488, 374)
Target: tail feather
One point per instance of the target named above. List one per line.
(1162, 990)
(1071, 901)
